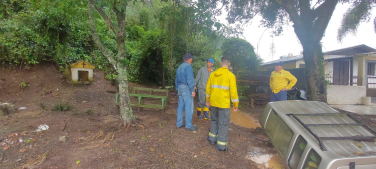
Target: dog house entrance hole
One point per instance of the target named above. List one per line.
(84, 75)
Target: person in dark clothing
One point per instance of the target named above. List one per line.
(184, 83)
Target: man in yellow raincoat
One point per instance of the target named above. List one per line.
(280, 81)
(220, 89)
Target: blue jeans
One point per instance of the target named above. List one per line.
(280, 96)
(185, 104)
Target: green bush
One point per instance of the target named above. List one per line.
(62, 107)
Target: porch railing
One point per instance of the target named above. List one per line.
(342, 81)
(371, 81)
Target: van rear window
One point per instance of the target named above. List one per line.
(279, 132)
(313, 160)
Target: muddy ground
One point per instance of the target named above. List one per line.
(90, 135)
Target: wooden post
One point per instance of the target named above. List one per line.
(252, 105)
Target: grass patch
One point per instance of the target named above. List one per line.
(43, 106)
(89, 112)
(62, 107)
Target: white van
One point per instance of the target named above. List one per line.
(313, 135)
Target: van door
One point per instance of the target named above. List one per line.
(297, 152)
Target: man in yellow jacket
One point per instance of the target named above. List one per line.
(220, 88)
(280, 81)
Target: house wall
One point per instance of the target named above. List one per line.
(75, 73)
(299, 62)
(355, 67)
(339, 94)
(328, 67)
(362, 61)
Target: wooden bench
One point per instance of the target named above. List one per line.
(150, 90)
(141, 97)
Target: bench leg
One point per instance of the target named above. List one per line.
(140, 102)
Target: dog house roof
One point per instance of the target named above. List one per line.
(82, 64)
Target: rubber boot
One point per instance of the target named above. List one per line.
(206, 115)
(221, 146)
(199, 115)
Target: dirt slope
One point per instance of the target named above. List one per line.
(94, 137)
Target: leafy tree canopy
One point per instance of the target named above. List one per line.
(241, 54)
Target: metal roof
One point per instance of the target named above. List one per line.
(345, 52)
(285, 59)
(351, 50)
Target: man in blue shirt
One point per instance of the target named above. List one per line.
(184, 83)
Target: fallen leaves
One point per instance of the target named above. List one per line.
(32, 163)
(358, 153)
(151, 149)
(358, 144)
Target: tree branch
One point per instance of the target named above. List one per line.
(112, 26)
(324, 13)
(96, 37)
(120, 35)
(288, 5)
(299, 27)
(305, 7)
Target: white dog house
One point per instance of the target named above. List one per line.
(80, 72)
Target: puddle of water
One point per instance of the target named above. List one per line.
(243, 119)
(267, 160)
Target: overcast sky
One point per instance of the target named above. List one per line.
(289, 43)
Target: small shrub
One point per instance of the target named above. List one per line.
(62, 107)
(89, 112)
(113, 78)
(24, 85)
(74, 113)
(43, 106)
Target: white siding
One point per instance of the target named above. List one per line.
(75, 73)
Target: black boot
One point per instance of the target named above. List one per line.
(199, 115)
(206, 115)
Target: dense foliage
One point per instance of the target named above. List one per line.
(241, 54)
(158, 34)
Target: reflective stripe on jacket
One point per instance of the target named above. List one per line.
(221, 88)
(280, 80)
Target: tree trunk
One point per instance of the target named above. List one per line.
(119, 29)
(314, 71)
(125, 103)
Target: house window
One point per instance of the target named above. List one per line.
(371, 69)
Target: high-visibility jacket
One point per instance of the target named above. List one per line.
(280, 80)
(221, 87)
